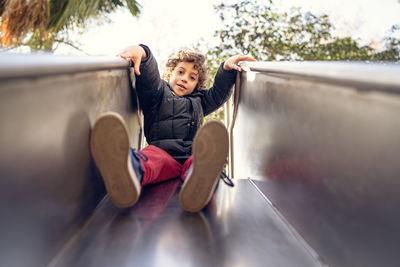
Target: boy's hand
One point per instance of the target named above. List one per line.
(232, 62)
(136, 54)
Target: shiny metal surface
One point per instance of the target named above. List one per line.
(48, 183)
(42, 64)
(322, 153)
(327, 156)
(360, 75)
(238, 228)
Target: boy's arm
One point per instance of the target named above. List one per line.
(148, 80)
(221, 90)
(219, 93)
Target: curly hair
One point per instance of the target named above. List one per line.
(186, 55)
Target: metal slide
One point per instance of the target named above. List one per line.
(321, 140)
(316, 148)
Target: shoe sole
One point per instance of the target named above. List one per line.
(110, 149)
(210, 151)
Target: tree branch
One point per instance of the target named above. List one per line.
(61, 41)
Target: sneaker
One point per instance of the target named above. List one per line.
(118, 164)
(210, 152)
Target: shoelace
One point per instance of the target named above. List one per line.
(226, 179)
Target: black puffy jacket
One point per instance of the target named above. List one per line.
(170, 121)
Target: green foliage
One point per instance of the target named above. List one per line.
(392, 45)
(67, 12)
(260, 31)
(133, 7)
(63, 16)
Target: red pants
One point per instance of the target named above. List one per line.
(161, 166)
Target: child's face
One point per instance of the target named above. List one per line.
(184, 78)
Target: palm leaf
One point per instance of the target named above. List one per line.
(19, 17)
(45, 18)
(133, 6)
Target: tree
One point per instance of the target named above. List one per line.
(43, 24)
(267, 35)
(392, 45)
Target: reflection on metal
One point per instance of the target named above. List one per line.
(14, 66)
(157, 232)
(363, 76)
(230, 122)
(49, 186)
(322, 142)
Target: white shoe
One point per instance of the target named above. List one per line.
(110, 148)
(210, 151)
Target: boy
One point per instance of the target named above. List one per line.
(173, 112)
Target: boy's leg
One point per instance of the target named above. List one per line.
(110, 148)
(210, 152)
(158, 165)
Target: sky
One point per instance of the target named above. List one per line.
(166, 26)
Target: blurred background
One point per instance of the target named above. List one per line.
(276, 30)
(104, 27)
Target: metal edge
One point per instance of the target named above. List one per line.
(14, 66)
(291, 229)
(361, 75)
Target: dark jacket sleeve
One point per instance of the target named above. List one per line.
(149, 82)
(220, 92)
